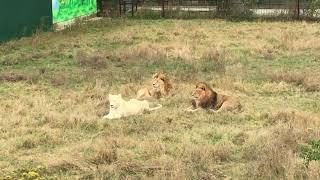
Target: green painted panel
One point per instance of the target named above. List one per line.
(22, 17)
(64, 10)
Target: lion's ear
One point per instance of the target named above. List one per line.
(163, 77)
(155, 75)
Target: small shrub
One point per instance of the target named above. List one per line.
(296, 119)
(29, 144)
(143, 51)
(17, 76)
(223, 151)
(105, 156)
(282, 116)
(312, 83)
(59, 79)
(310, 151)
(26, 173)
(308, 81)
(9, 60)
(240, 138)
(293, 77)
(215, 138)
(85, 59)
(274, 155)
(62, 167)
(213, 62)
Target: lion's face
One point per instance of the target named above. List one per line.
(158, 82)
(200, 91)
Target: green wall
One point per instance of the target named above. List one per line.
(64, 10)
(22, 17)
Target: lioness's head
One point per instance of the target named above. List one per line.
(159, 81)
(115, 101)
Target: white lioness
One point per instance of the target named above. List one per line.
(122, 108)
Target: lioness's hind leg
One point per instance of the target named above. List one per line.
(108, 116)
(214, 111)
(155, 108)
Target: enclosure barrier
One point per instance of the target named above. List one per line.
(293, 9)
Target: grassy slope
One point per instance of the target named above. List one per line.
(54, 89)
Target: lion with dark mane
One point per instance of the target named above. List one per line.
(205, 98)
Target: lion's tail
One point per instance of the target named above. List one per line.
(155, 108)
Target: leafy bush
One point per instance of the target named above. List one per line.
(28, 174)
(310, 151)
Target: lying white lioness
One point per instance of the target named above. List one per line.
(121, 108)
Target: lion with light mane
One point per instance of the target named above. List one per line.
(205, 98)
(122, 108)
(161, 87)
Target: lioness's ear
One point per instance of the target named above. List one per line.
(155, 75)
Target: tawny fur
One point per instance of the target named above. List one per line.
(161, 87)
(205, 98)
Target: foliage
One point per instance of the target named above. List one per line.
(26, 174)
(64, 10)
(310, 151)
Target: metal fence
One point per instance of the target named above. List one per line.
(21, 18)
(309, 9)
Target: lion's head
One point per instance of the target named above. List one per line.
(204, 96)
(161, 83)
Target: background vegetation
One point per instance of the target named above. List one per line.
(54, 88)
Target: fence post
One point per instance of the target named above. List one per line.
(100, 8)
(137, 1)
(132, 8)
(120, 7)
(162, 13)
(298, 8)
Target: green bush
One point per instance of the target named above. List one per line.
(310, 151)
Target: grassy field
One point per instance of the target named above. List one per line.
(54, 89)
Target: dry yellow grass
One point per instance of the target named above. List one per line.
(54, 89)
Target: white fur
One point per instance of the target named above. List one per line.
(121, 108)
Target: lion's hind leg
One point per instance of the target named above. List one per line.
(143, 94)
(192, 109)
(229, 106)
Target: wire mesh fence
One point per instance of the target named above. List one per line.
(300, 9)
